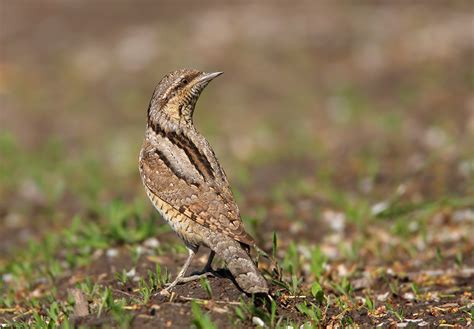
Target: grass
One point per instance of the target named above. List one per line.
(201, 320)
(307, 288)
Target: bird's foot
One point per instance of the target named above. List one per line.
(185, 279)
(196, 276)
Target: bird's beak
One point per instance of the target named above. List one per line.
(206, 77)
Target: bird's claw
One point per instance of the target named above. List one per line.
(165, 292)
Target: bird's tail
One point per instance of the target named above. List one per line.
(239, 263)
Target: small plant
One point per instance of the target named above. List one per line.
(207, 287)
(201, 321)
(294, 287)
(274, 245)
(127, 223)
(369, 303)
(397, 313)
(438, 255)
(53, 312)
(414, 287)
(344, 287)
(342, 303)
(52, 317)
(347, 321)
(311, 311)
(145, 289)
(317, 292)
(88, 287)
(394, 287)
(248, 310)
(318, 261)
(458, 259)
(162, 278)
(122, 277)
(291, 262)
(273, 310)
(135, 254)
(106, 301)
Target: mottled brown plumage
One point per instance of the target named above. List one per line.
(186, 183)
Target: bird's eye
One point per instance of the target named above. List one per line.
(184, 81)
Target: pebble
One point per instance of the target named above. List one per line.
(258, 322)
(132, 272)
(378, 208)
(409, 296)
(151, 243)
(335, 219)
(111, 253)
(7, 277)
(383, 297)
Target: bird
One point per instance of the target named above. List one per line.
(186, 184)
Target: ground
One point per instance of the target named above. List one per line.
(346, 131)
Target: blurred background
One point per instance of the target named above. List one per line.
(347, 128)
(322, 107)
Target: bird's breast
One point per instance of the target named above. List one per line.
(179, 223)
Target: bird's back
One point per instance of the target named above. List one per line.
(181, 169)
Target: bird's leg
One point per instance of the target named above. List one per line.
(208, 267)
(207, 270)
(180, 278)
(181, 272)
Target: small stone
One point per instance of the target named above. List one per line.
(342, 270)
(463, 215)
(361, 283)
(111, 253)
(132, 272)
(136, 278)
(401, 189)
(7, 277)
(335, 219)
(97, 253)
(151, 243)
(258, 322)
(378, 208)
(139, 250)
(383, 297)
(409, 296)
(296, 227)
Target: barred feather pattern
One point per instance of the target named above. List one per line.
(186, 183)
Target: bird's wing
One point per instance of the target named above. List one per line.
(173, 175)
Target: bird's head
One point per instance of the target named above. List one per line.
(176, 95)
